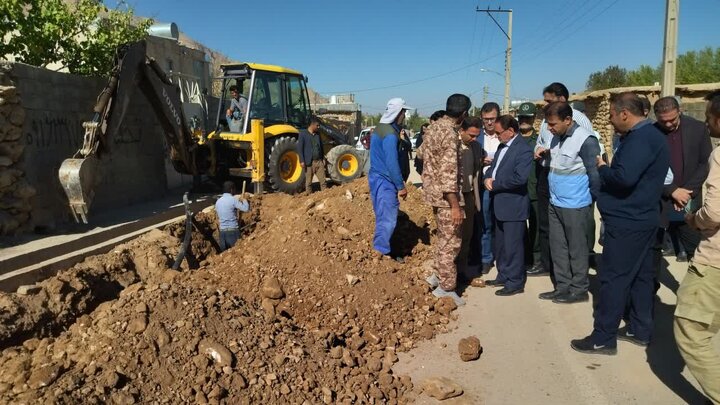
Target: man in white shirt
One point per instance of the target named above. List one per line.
(484, 224)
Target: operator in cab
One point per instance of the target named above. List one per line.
(227, 207)
(235, 114)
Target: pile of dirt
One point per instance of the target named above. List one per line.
(320, 248)
(77, 291)
(299, 310)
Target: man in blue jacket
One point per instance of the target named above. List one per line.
(629, 202)
(384, 177)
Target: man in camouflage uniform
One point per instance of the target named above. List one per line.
(442, 179)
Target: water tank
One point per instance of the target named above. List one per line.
(169, 31)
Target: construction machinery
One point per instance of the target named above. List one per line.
(258, 144)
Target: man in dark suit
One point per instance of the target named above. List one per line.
(690, 151)
(507, 182)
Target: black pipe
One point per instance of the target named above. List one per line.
(188, 234)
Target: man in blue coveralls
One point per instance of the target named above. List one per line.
(384, 177)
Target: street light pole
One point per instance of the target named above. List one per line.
(670, 49)
(508, 52)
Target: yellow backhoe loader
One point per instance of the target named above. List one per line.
(258, 143)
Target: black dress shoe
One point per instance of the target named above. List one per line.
(495, 283)
(537, 270)
(486, 267)
(504, 292)
(682, 258)
(571, 298)
(549, 295)
(624, 334)
(585, 345)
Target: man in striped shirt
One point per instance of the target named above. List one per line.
(551, 93)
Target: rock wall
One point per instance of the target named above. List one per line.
(15, 191)
(41, 125)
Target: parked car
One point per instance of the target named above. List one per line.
(363, 142)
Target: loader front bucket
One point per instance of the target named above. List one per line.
(77, 177)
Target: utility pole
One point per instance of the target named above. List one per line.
(670, 50)
(508, 51)
(486, 90)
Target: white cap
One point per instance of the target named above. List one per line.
(394, 106)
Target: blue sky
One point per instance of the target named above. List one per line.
(439, 46)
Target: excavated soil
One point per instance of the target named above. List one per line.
(299, 311)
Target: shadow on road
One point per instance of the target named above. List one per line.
(662, 354)
(664, 358)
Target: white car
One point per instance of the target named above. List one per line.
(359, 145)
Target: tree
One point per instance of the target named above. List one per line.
(612, 76)
(692, 67)
(415, 121)
(81, 36)
(699, 66)
(645, 75)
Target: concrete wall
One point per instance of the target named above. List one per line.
(55, 106)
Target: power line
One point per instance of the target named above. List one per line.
(568, 35)
(414, 81)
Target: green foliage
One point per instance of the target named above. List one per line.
(370, 120)
(81, 36)
(645, 75)
(692, 67)
(612, 76)
(414, 122)
(699, 66)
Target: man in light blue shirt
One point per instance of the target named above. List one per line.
(226, 208)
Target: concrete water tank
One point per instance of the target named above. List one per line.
(169, 30)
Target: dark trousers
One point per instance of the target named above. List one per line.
(486, 243)
(509, 253)
(543, 194)
(590, 228)
(627, 273)
(568, 244)
(532, 240)
(688, 238)
(228, 238)
(476, 241)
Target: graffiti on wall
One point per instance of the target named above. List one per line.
(53, 131)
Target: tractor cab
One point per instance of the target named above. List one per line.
(273, 94)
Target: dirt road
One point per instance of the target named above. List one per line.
(527, 356)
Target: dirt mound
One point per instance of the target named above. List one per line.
(320, 248)
(76, 291)
(299, 310)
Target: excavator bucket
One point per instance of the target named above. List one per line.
(77, 177)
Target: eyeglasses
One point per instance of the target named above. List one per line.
(490, 119)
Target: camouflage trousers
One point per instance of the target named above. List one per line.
(447, 247)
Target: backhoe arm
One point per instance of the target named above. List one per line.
(133, 68)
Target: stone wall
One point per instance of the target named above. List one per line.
(15, 191)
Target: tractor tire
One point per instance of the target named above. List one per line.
(284, 172)
(344, 163)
